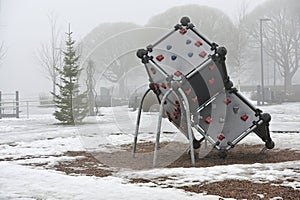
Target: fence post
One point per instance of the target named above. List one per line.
(0, 105)
(17, 104)
(27, 105)
(259, 96)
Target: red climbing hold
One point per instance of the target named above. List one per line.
(198, 43)
(177, 104)
(202, 54)
(160, 57)
(211, 81)
(221, 136)
(188, 91)
(156, 86)
(227, 100)
(183, 31)
(175, 114)
(244, 117)
(194, 99)
(208, 119)
(178, 73)
(167, 114)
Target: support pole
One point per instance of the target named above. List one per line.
(27, 106)
(262, 65)
(161, 109)
(138, 122)
(0, 105)
(262, 59)
(189, 125)
(17, 105)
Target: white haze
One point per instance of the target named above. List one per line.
(25, 26)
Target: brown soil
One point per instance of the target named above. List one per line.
(243, 189)
(175, 155)
(85, 165)
(100, 164)
(241, 154)
(238, 189)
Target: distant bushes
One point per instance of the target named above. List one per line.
(46, 99)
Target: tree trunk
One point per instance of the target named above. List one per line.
(288, 84)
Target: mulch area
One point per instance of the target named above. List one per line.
(175, 155)
(86, 164)
(244, 189)
(171, 155)
(241, 154)
(238, 189)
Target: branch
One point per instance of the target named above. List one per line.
(2, 51)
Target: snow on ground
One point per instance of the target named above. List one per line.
(253, 172)
(38, 139)
(20, 182)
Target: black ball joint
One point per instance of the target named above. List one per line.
(270, 144)
(196, 144)
(222, 51)
(222, 153)
(185, 21)
(141, 53)
(266, 117)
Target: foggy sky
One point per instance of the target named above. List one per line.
(24, 26)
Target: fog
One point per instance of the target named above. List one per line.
(25, 26)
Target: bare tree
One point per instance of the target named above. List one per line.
(239, 53)
(111, 48)
(283, 43)
(281, 36)
(49, 54)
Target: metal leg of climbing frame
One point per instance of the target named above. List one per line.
(189, 125)
(161, 109)
(138, 122)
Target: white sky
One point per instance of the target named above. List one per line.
(25, 26)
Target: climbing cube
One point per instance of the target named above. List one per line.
(188, 74)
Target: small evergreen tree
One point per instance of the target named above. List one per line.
(71, 105)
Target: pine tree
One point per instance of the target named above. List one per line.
(71, 105)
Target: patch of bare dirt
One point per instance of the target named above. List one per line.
(243, 189)
(144, 147)
(241, 154)
(238, 189)
(175, 154)
(139, 180)
(86, 164)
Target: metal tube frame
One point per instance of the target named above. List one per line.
(161, 109)
(244, 134)
(189, 126)
(138, 122)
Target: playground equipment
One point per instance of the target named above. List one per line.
(9, 105)
(187, 72)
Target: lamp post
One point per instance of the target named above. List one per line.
(262, 60)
